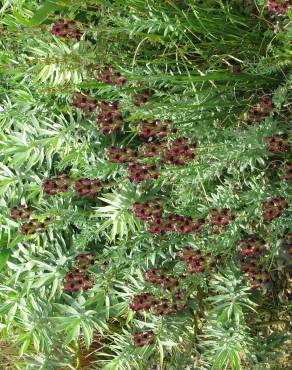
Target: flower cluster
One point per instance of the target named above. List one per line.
(141, 339)
(141, 98)
(75, 281)
(251, 247)
(142, 172)
(88, 187)
(85, 260)
(109, 118)
(32, 226)
(82, 187)
(278, 143)
(278, 6)
(19, 212)
(180, 152)
(122, 155)
(262, 109)
(288, 171)
(147, 210)
(175, 223)
(109, 75)
(65, 29)
(159, 307)
(84, 102)
(144, 302)
(153, 149)
(195, 261)
(59, 184)
(167, 307)
(220, 218)
(155, 128)
(256, 276)
(274, 208)
(161, 277)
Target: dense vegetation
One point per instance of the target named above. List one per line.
(145, 169)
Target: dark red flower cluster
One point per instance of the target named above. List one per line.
(195, 261)
(141, 98)
(288, 171)
(122, 155)
(278, 6)
(142, 172)
(85, 260)
(88, 187)
(153, 149)
(109, 75)
(82, 187)
(31, 227)
(65, 29)
(144, 302)
(151, 209)
(20, 212)
(141, 339)
(84, 102)
(220, 218)
(175, 223)
(180, 152)
(167, 307)
(274, 208)
(278, 143)
(59, 184)
(251, 247)
(155, 128)
(162, 277)
(262, 109)
(159, 307)
(75, 281)
(257, 276)
(109, 118)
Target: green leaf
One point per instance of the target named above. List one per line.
(4, 256)
(74, 332)
(25, 345)
(43, 12)
(87, 333)
(44, 280)
(161, 354)
(20, 19)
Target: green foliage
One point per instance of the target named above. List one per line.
(206, 64)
